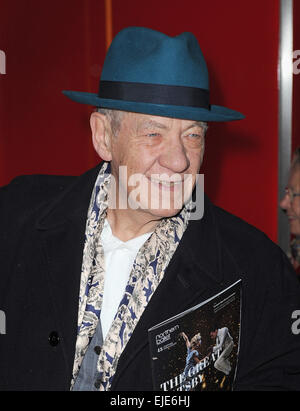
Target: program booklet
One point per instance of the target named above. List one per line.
(197, 350)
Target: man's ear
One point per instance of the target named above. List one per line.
(101, 135)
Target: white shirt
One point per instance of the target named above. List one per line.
(118, 257)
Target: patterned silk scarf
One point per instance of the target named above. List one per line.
(147, 272)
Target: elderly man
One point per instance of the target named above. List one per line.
(90, 263)
(290, 203)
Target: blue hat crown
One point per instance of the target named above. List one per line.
(148, 56)
(146, 71)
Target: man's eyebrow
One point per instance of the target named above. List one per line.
(152, 123)
(148, 124)
(196, 124)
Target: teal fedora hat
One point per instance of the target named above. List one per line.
(146, 71)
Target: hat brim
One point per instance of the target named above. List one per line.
(215, 113)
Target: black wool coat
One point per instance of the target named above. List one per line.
(42, 228)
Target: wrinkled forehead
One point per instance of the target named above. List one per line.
(147, 121)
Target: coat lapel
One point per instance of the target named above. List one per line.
(61, 229)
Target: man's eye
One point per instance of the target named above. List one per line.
(194, 135)
(152, 134)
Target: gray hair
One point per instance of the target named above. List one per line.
(115, 117)
(204, 125)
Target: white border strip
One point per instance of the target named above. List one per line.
(285, 78)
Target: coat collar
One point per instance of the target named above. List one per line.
(201, 244)
(72, 203)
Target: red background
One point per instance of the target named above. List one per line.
(52, 46)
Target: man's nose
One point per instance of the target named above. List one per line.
(174, 156)
(285, 202)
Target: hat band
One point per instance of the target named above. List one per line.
(154, 93)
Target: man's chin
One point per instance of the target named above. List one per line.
(165, 213)
(295, 228)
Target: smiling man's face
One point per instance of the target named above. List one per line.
(292, 205)
(163, 156)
